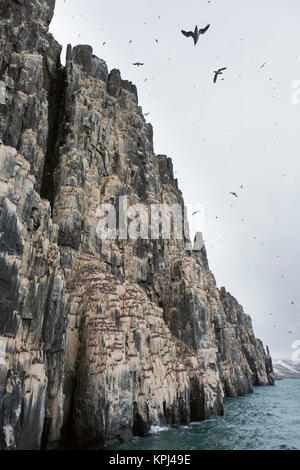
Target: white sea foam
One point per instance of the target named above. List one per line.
(155, 429)
(9, 435)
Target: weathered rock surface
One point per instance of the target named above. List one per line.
(99, 339)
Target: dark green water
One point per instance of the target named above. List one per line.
(269, 419)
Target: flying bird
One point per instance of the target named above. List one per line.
(234, 194)
(138, 63)
(196, 34)
(262, 66)
(218, 72)
(197, 212)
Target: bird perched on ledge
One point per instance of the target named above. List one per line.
(196, 34)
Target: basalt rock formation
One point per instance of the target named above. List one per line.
(99, 339)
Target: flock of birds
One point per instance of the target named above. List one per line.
(195, 35)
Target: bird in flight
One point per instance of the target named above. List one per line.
(196, 34)
(218, 72)
(234, 194)
(138, 63)
(197, 212)
(262, 66)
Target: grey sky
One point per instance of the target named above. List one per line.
(243, 131)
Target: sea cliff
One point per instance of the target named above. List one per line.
(99, 339)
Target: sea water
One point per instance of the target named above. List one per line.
(268, 419)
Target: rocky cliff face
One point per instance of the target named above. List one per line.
(99, 339)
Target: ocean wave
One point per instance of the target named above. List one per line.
(155, 429)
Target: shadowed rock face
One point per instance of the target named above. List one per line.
(98, 339)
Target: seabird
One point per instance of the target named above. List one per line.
(197, 212)
(234, 194)
(138, 63)
(196, 34)
(218, 72)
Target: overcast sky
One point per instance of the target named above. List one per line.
(242, 131)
